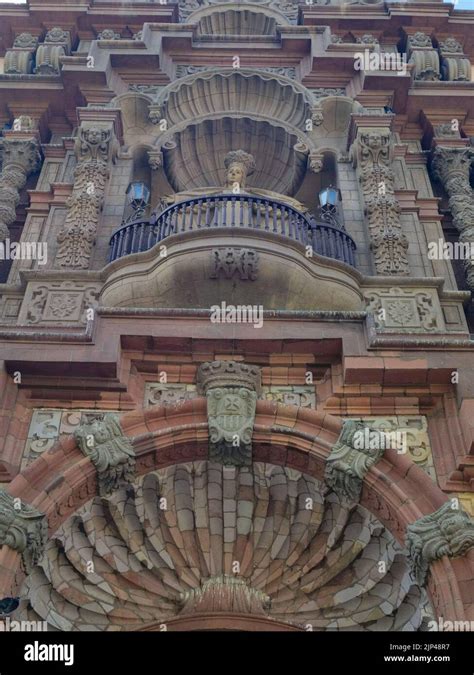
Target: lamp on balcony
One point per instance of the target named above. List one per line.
(138, 196)
(328, 199)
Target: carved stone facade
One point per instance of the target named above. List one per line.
(94, 148)
(372, 153)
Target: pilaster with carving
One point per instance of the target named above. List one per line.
(448, 531)
(372, 154)
(231, 390)
(21, 157)
(22, 528)
(451, 165)
(94, 149)
(109, 450)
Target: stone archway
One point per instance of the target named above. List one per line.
(290, 448)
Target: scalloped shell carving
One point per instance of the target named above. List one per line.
(236, 22)
(212, 94)
(196, 158)
(298, 564)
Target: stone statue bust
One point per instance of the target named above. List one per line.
(239, 165)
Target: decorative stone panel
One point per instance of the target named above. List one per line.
(302, 396)
(46, 426)
(405, 309)
(61, 302)
(167, 394)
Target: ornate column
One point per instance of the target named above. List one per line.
(451, 165)
(21, 157)
(231, 389)
(372, 154)
(95, 148)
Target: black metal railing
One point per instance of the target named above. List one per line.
(233, 211)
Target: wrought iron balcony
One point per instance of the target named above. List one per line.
(233, 211)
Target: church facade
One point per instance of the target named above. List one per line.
(236, 354)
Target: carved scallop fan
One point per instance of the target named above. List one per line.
(236, 22)
(196, 158)
(168, 547)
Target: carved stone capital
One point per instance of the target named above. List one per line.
(155, 159)
(231, 390)
(109, 450)
(317, 116)
(448, 531)
(22, 528)
(315, 162)
(351, 458)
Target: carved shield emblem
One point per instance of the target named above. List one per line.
(231, 415)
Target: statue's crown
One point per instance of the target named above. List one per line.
(228, 374)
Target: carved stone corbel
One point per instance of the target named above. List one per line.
(455, 65)
(21, 157)
(22, 528)
(451, 165)
(372, 154)
(315, 161)
(448, 531)
(231, 390)
(19, 59)
(95, 148)
(424, 57)
(350, 460)
(109, 450)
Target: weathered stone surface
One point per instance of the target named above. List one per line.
(448, 531)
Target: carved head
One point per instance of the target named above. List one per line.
(239, 165)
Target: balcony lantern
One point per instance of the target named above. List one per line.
(328, 198)
(138, 196)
